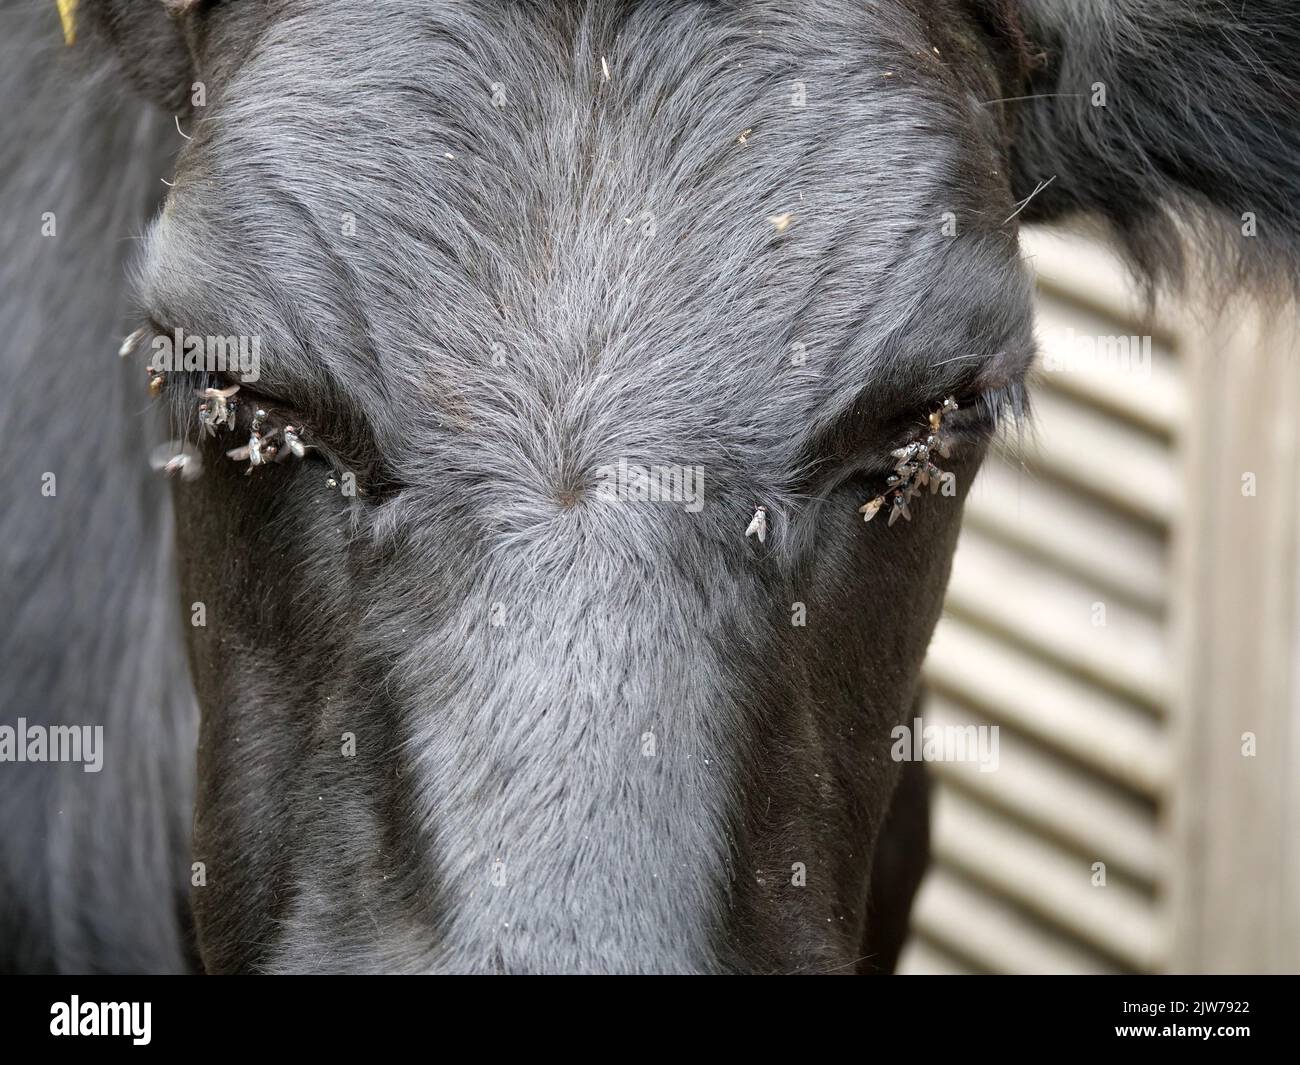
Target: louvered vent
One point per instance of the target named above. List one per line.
(1055, 631)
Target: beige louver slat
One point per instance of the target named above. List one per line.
(1045, 881)
(1055, 631)
(1157, 406)
(1091, 727)
(1059, 800)
(1057, 525)
(997, 935)
(1058, 617)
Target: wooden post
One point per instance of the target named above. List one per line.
(1234, 817)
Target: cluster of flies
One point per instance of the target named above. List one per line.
(914, 471)
(218, 408)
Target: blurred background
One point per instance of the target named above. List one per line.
(1123, 606)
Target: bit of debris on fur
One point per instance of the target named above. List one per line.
(781, 221)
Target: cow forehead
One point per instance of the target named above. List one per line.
(584, 213)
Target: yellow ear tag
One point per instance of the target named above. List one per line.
(68, 16)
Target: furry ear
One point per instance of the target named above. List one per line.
(153, 40)
(1163, 116)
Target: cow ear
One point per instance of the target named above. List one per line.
(153, 39)
(1163, 118)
